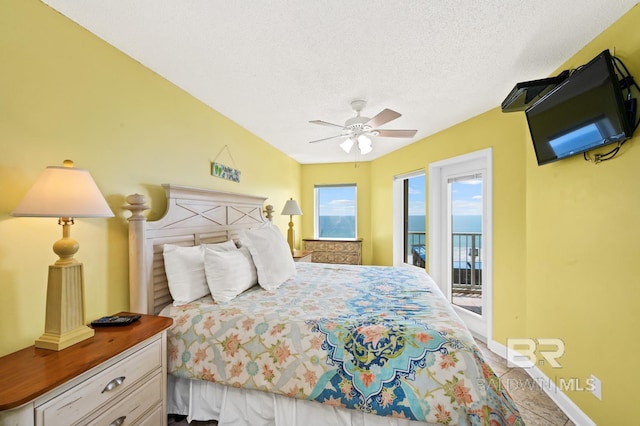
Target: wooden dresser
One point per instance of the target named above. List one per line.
(335, 251)
(116, 377)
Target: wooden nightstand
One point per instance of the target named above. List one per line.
(302, 255)
(117, 376)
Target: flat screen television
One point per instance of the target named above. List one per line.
(585, 111)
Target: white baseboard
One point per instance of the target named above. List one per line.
(575, 414)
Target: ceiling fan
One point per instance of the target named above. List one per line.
(358, 130)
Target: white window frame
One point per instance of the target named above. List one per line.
(316, 207)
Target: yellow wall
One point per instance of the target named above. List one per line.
(583, 230)
(66, 94)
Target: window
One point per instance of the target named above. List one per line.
(410, 220)
(415, 220)
(335, 211)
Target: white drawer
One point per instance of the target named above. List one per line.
(84, 398)
(132, 407)
(152, 419)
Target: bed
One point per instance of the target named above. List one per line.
(321, 344)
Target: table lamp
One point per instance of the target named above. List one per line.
(66, 193)
(291, 208)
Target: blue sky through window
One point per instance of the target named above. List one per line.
(417, 196)
(466, 198)
(337, 201)
(336, 212)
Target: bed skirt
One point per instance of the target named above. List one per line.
(200, 400)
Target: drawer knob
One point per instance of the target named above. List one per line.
(113, 384)
(118, 421)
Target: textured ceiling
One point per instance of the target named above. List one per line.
(272, 66)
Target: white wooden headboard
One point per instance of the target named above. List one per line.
(194, 216)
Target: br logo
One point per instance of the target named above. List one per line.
(522, 352)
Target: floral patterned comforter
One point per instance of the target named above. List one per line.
(382, 340)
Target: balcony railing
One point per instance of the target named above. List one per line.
(417, 248)
(466, 255)
(466, 268)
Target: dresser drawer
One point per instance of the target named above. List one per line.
(335, 251)
(348, 247)
(323, 257)
(99, 390)
(133, 406)
(154, 418)
(346, 258)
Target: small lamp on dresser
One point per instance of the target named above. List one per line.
(66, 193)
(291, 208)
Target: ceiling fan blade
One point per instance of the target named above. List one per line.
(396, 133)
(324, 123)
(326, 139)
(383, 117)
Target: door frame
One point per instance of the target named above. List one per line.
(398, 215)
(438, 256)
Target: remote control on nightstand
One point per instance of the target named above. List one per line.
(115, 320)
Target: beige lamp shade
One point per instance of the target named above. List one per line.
(291, 208)
(64, 192)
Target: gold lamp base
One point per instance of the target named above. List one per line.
(291, 236)
(64, 322)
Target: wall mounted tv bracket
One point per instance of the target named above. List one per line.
(527, 93)
(627, 83)
(631, 106)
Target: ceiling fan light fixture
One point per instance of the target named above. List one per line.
(365, 150)
(347, 145)
(358, 130)
(364, 140)
(364, 144)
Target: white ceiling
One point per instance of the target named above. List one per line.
(272, 66)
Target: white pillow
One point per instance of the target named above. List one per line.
(184, 267)
(271, 255)
(226, 246)
(229, 273)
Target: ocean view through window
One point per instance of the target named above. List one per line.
(335, 211)
(466, 242)
(415, 237)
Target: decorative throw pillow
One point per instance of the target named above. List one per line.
(184, 267)
(229, 273)
(271, 255)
